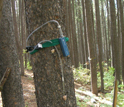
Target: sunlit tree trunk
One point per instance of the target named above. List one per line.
(51, 91)
(12, 93)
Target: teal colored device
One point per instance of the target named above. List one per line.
(64, 46)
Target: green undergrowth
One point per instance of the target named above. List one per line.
(29, 67)
(83, 77)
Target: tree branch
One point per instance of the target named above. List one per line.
(4, 78)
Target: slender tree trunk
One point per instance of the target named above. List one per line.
(74, 38)
(119, 38)
(109, 37)
(19, 48)
(103, 32)
(23, 39)
(106, 59)
(85, 36)
(24, 31)
(53, 89)
(114, 40)
(91, 47)
(82, 36)
(122, 33)
(70, 26)
(12, 93)
(99, 38)
(80, 56)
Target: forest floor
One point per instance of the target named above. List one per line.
(30, 100)
(29, 89)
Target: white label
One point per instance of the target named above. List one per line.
(40, 45)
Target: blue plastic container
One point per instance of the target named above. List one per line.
(64, 46)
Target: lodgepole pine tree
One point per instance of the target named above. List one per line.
(51, 91)
(12, 93)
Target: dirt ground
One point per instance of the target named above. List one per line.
(29, 89)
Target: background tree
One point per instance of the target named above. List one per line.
(122, 33)
(12, 94)
(69, 28)
(99, 38)
(114, 38)
(92, 56)
(46, 66)
(18, 43)
(85, 36)
(74, 36)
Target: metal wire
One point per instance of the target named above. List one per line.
(60, 30)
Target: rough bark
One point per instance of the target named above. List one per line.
(46, 65)
(12, 94)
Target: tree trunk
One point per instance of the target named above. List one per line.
(91, 47)
(74, 36)
(114, 40)
(12, 94)
(99, 38)
(82, 38)
(16, 33)
(109, 33)
(122, 33)
(51, 91)
(70, 26)
(119, 44)
(85, 36)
